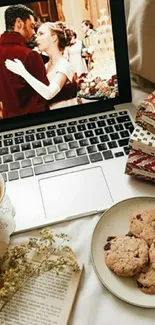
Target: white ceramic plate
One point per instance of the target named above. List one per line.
(113, 222)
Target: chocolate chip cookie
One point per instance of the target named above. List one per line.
(142, 224)
(146, 280)
(125, 255)
(152, 254)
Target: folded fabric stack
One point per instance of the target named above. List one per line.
(141, 159)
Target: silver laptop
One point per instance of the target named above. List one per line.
(69, 160)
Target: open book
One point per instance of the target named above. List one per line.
(43, 300)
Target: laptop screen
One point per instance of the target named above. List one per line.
(55, 55)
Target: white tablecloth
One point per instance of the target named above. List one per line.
(94, 304)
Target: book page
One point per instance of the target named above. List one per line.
(43, 300)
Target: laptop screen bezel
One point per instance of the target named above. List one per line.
(122, 66)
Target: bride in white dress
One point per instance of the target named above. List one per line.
(73, 53)
(52, 38)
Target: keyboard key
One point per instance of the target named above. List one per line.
(62, 147)
(83, 121)
(26, 163)
(4, 168)
(27, 172)
(92, 119)
(61, 131)
(59, 165)
(52, 149)
(124, 118)
(25, 146)
(91, 125)
(119, 127)
(72, 123)
(111, 121)
(18, 134)
(129, 126)
(47, 142)
(58, 140)
(59, 156)
(4, 151)
(124, 134)
(51, 127)
(51, 134)
(7, 159)
(14, 165)
(40, 136)
(62, 125)
(84, 143)
(95, 157)
(99, 131)
(18, 156)
(8, 136)
(30, 131)
(71, 129)
(36, 144)
(102, 147)
(68, 137)
(94, 140)
(73, 145)
(104, 138)
(112, 144)
(119, 154)
(70, 153)
(41, 129)
(78, 135)
(15, 148)
(107, 154)
(114, 136)
(101, 124)
(48, 158)
(30, 154)
(81, 151)
(109, 129)
(37, 161)
(123, 142)
(91, 149)
(123, 113)
(81, 127)
(113, 114)
(103, 117)
(8, 142)
(126, 150)
(89, 134)
(41, 151)
(19, 140)
(29, 138)
(12, 176)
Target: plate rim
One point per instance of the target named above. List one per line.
(92, 259)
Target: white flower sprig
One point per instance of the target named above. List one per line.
(17, 265)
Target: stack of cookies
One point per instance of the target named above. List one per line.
(133, 254)
(141, 159)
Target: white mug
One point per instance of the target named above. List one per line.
(7, 221)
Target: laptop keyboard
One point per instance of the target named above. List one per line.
(51, 148)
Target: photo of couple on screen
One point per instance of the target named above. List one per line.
(50, 58)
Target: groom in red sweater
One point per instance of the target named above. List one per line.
(16, 95)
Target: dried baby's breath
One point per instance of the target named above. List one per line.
(17, 265)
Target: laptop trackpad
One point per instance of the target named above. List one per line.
(74, 193)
